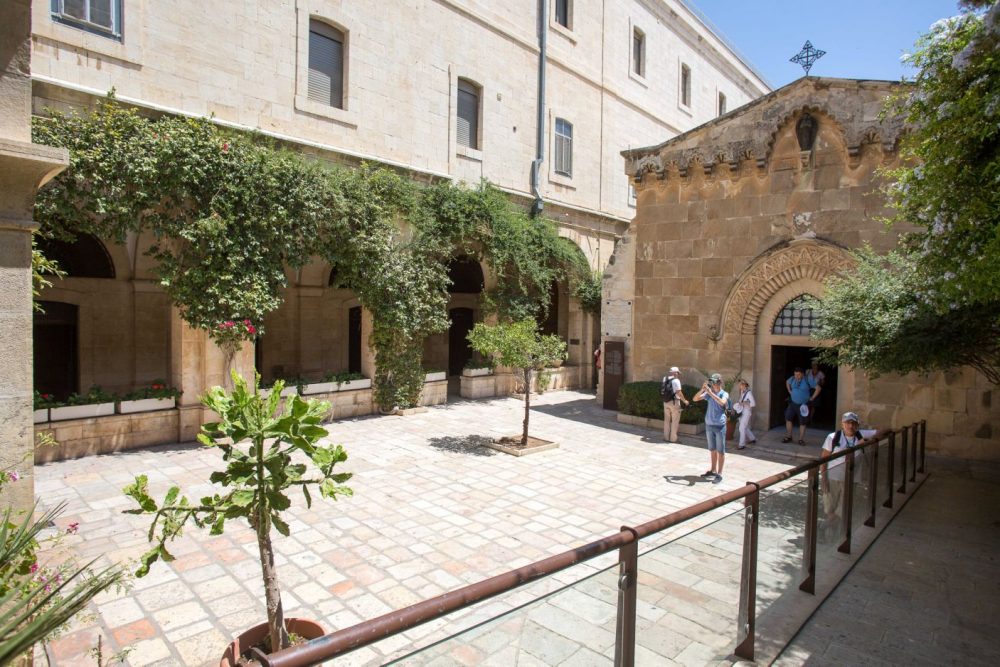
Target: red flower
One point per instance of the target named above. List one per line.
(251, 329)
(225, 147)
(72, 528)
(247, 322)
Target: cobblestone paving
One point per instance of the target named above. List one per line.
(433, 510)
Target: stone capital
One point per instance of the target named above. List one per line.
(25, 167)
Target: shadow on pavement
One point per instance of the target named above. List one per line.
(469, 444)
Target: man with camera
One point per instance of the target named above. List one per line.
(715, 424)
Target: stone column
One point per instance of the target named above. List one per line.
(196, 365)
(24, 167)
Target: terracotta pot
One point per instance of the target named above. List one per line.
(730, 429)
(300, 626)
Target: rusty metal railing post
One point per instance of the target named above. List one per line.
(745, 632)
(891, 471)
(848, 508)
(812, 517)
(923, 443)
(913, 451)
(628, 577)
(902, 460)
(873, 486)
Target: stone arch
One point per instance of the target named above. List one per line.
(781, 266)
(84, 257)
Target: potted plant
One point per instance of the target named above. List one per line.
(258, 443)
(436, 376)
(157, 396)
(337, 382)
(476, 367)
(522, 347)
(287, 388)
(42, 403)
(95, 403)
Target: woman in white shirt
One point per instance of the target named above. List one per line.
(744, 406)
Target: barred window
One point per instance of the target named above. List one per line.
(796, 318)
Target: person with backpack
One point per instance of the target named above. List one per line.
(715, 424)
(802, 391)
(673, 395)
(833, 475)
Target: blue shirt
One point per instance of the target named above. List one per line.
(716, 414)
(801, 389)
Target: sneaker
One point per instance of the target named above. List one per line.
(742, 447)
(718, 478)
(708, 473)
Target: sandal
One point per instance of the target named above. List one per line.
(787, 438)
(802, 442)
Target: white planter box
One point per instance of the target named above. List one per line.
(476, 372)
(287, 391)
(41, 416)
(82, 411)
(146, 405)
(436, 377)
(330, 387)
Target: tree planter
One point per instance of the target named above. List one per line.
(302, 627)
(437, 376)
(146, 405)
(41, 416)
(330, 387)
(81, 411)
(476, 372)
(513, 446)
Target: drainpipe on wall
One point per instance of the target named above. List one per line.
(536, 165)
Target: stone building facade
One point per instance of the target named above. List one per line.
(739, 218)
(399, 88)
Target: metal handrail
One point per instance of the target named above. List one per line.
(401, 620)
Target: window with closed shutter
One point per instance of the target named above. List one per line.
(563, 150)
(326, 64)
(468, 114)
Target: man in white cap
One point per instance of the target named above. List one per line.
(673, 396)
(833, 476)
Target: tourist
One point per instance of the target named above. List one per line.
(715, 424)
(744, 407)
(801, 392)
(819, 378)
(833, 475)
(673, 395)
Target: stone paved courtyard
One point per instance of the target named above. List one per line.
(432, 511)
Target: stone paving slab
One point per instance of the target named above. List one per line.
(433, 510)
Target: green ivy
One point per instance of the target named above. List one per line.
(230, 212)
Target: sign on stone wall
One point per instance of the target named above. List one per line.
(616, 318)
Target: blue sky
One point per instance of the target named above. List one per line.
(863, 39)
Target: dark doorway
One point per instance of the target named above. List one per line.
(459, 350)
(354, 340)
(784, 360)
(550, 325)
(55, 353)
(614, 372)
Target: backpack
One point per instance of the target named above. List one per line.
(667, 389)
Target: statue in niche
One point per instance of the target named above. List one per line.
(805, 131)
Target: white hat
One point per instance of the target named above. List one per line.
(804, 410)
(674, 369)
(850, 417)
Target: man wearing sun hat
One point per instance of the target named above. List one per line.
(673, 396)
(833, 476)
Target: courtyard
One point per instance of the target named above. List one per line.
(432, 511)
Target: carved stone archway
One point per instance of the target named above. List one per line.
(792, 262)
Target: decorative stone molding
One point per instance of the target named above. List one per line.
(772, 271)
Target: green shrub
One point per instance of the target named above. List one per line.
(642, 399)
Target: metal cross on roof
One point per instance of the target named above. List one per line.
(807, 56)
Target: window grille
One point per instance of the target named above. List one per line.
(326, 64)
(796, 319)
(563, 153)
(468, 114)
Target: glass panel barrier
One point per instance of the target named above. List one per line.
(574, 625)
(781, 541)
(688, 594)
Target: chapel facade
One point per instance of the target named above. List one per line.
(741, 218)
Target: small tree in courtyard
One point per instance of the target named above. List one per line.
(257, 443)
(522, 347)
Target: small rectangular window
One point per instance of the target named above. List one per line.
(722, 104)
(638, 52)
(631, 194)
(468, 114)
(102, 17)
(563, 13)
(563, 150)
(685, 85)
(326, 64)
